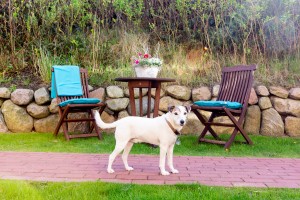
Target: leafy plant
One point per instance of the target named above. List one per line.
(12, 87)
(43, 63)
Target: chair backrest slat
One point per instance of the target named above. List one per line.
(236, 83)
(84, 82)
(232, 83)
(237, 91)
(246, 86)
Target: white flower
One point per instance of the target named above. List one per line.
(147, 60)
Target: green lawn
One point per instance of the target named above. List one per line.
(24, 190)
(263, 146)
(38, 142)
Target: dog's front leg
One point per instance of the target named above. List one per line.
(170, 159)
(162, 160)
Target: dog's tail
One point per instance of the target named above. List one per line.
(101, 123)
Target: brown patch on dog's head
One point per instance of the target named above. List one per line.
(188, 108)
(171, 108)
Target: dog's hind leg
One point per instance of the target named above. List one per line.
(170, 159)
(118, 148)
(125, 156)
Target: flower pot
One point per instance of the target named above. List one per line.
(146, 71)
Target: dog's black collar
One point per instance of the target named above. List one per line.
(173, 129)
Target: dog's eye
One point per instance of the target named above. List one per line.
(184, 113)
(176, 113)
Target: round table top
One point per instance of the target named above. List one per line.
(128, 79)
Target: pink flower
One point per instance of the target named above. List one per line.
(136, 61)
(140, 54)
(146, 55)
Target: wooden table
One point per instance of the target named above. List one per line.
(144, 82)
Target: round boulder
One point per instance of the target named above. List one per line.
(16, 117)
(252, 120)
(294, 93)
(37, 111)
(41, 96)
(117, 104)
(22, 96)
(4, 93)
(53, 107)
(3, 127)
(114, 92)
(202, 93)
(262, 91)
(272, 124)
(98, 93)
(145, 106)
(279, 91)
(167, 101)
(47, 124)
(292, 125)
(179, 92)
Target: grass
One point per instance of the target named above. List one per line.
(45, 142)
(24, 190)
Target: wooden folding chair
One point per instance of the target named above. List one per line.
(235, 88)
(65, 110)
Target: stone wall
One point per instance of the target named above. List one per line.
(272, 111)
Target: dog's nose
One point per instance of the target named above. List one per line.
(181, 122)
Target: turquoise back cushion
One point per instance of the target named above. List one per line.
(227, 104)
(66, 81)
(80, 101)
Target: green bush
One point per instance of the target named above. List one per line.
(91, 32)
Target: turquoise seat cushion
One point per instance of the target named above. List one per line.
(227, 104)
(80, 101)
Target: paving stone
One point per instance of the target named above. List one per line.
(211, 171)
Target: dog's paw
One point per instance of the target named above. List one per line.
(129, 168)
(174, 171)
(165, 173)
(110, 171)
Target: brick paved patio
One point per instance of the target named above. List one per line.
(213, 171)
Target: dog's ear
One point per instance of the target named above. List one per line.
(171, 108)
(188, 108)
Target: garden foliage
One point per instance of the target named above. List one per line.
(91, 33)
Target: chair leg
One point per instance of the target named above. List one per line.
(63, 116)
(231, 139)
(237, 128)
(203, 133)
(94, 125)
(57, 128)
(213, 133)
(65, 130)
(90, 125)
(61, 120)
(207, 126)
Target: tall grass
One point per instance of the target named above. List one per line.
(42, 63)
(103, 35)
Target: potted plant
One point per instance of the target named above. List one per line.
(146, 66)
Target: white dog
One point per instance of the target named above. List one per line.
(161, 131)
